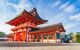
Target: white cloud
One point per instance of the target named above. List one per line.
(6, 12)
(56, 3)
(5, 28)
(3, 15)
(71, 25)
(50, 22)
(69, 9)
(64, 6)
(46, 24)
(23, 4)
(75, 17)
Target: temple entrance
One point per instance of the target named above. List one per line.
(37, 38)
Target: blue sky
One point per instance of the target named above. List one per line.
(55, 11)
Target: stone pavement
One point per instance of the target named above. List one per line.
(38, 46)
(42, 48)
(32, 44)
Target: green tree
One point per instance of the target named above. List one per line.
(70, 34)
(2, 34)
(78, 37)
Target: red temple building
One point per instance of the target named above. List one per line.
(26, 28)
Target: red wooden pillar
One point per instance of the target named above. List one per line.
(47, 37)
(26, 37)
(53, 36)
(14, 37)
(42, 37)
(26, 34)
(31, 38)
(36, 38)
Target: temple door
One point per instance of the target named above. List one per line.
(18, 37)
(23, 36)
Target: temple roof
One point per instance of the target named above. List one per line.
(54, 27)
(33, 13)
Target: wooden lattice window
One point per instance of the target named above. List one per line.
(45, 36)
(58, 35)
(50, 36)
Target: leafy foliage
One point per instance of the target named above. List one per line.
(71, 33)
(2, 34)
(78, 37)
